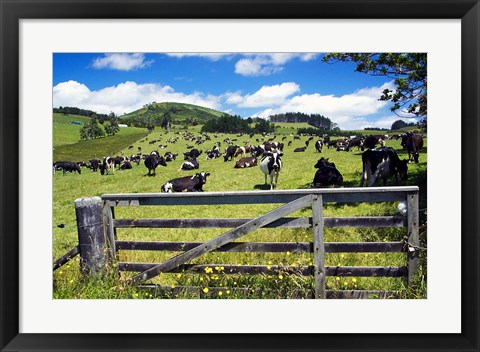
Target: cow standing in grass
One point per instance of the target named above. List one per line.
(271, 165)
(382, 163)
(152, 161)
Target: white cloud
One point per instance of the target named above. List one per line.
(124, 97)
(349, 111)
(267, 64)
(210, 56)
(121, 61)
(268, 95)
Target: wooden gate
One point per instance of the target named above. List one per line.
(292, 201)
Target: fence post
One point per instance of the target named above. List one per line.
(318, 246)
(91, 235)
(413, 238)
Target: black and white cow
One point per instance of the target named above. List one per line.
(188, 183)
(327, 174)
(271, 165)
(190, 165)
(152, 161)
(230, 153)
(213, 154)
(69, 166)
(382, 163)
(169, 156)
(247, 161)
(135, 159)
(108, 164)
(319, 145)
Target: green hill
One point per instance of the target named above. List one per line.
(66, 128)
(180, 112)
(68, 146)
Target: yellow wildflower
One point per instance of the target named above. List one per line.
(280, 276)
(354, 279)
(268, 267)
(337, 278)
(288, 253)
(228, 292)
(220, 293)
(71, 281)
(179, 275)
(173, 286)
(205, 290)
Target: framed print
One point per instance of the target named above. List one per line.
(43, 43)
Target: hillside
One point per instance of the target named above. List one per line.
(179, 112)
(65, 128)
(68, 146)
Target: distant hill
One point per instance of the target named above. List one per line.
(179, 112)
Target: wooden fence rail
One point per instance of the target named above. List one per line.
(292, 200)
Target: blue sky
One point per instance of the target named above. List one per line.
(249, 84)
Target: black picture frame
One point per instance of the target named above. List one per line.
(12, 11)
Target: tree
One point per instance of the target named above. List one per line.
(91, 129)
(112, 128)
(167, 120)
(398, 124)
(409, 71)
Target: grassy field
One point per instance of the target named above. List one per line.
(64, 132)
(68, 146)
(298, 172)
(287, 128)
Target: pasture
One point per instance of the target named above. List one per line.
(297, 173)
(68, 146)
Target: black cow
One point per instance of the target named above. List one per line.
(192, 154)
(230, 153)
(152, 161)
(299, 150)
(382, 163)
(356, 142)
(125, 166)
(413, 143)
(318, 145)
(370, 142)
(271, 165)
(69, 166)
(190, 165)
(327, 174)
(188, 183)
(244, 162)
(94, 164)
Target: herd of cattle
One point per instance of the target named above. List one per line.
(377, 162)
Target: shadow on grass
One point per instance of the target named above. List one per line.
(264, 187)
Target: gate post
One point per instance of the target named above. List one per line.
(91, 235)
(318, 246)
